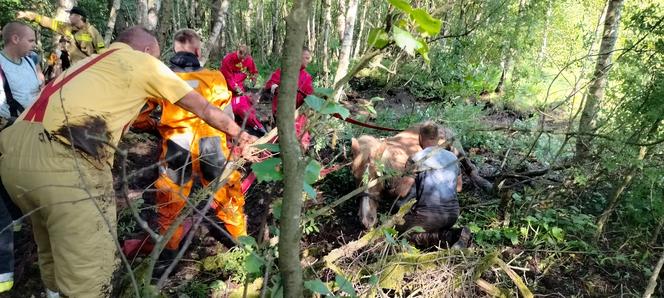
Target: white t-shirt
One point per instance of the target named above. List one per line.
(23, 82)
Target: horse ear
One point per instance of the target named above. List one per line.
(354, 146)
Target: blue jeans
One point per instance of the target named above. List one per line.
(8, 211)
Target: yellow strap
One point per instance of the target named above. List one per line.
(84, 37)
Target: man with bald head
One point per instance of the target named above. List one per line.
(20, 85)
(19, 73)
(57, 157)
(187, 136)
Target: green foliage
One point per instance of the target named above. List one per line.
(231, 263)
(268, 170)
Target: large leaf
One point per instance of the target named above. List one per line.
(326, 107)
(253, 263)
(317, 286)
(309, 190)
(345, 285)
(314, 102)
(425, 22)
(378, 38)
(324, 92)
(268, 170)
(402, 5)
(312, 172)
(406, 41)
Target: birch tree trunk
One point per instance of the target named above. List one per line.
(326, 40)
(217, 29)
(292, 159)
(595, 92)
(547, 23)
(358, 40)
(652, 283)
(110, 25)
(346, 43)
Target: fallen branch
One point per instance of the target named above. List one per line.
(365, 240)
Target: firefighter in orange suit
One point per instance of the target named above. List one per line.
(193, 152)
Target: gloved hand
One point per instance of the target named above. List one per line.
(273, 88)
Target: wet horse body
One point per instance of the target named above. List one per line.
(369, 153)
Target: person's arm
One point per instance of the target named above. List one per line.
(273, 83)
(215, 117)
(46, 22)
(97, 39)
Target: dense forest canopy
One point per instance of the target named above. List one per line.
(559, 105)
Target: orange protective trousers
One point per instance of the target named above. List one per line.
(193, 155)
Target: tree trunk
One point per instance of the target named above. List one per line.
(358, 41)
(275, 29)
(248, 24)
(217, 29)
(341, 18)
(164, 30)
(596, 89)
(508, 51)
(547, 23)
(293, 161)
(652, 283)
(346, 43)
(110, 25)
(326, 41)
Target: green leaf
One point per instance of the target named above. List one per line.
(311, 192)
(402, 5)
(324, 92)
(317, 286)
(345, 285)
(267, 170)
(378, 38)
(558, 233)
(274, 148)
(424, 50)
(332, 108)
(312, 172)
(406, 41)
(326, 107)
(314, 102)
(248, 241)
(373, 280)
(253, 263)
(425, 22)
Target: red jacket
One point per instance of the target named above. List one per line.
(235, 71)
(305, 87)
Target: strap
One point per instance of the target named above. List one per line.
(38, 109)
(15, 108)
(367, 125)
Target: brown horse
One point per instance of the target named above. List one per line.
(373, 158)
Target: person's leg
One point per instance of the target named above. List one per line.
(82, 234)
(170, 199)
(229, 202)
(6, 250)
